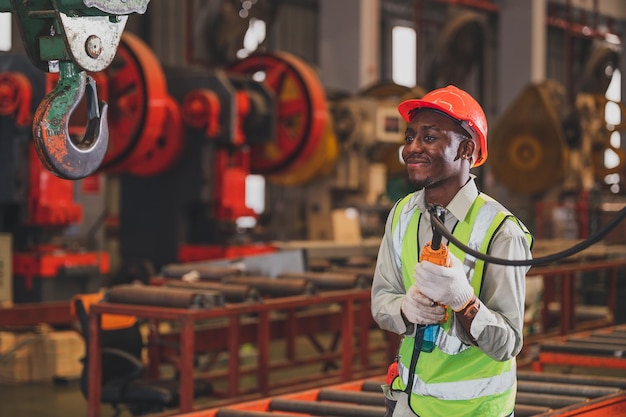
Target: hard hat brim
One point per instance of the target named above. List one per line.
(408, 106)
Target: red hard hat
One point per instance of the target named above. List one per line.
(459, 105)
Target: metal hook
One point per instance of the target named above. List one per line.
(56, 149)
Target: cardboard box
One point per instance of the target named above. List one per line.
(16, 370)
(63, 353)
(40, 362)
(41, 356)
(6, 271)
(17, 367)
(346, 226)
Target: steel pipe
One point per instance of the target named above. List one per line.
(564, 389)
(604, 381)
(163, 297)
(356, 397)
(366, 273)
(598, 339)
(214, 273)
(229, 412)
(329, 280)
(548, 400)
(585, 348)
(233, 293)
(372, 386)
(522, 410)
(326, 409)
(274, 287)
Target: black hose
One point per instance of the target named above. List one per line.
(594, 238)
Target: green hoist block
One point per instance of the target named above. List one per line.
(85, 32)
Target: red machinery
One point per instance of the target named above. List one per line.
(49, 206)
(145, 125)
(273, 127)
(193, 147)
(147, 137)
(278, 120)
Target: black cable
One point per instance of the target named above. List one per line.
(594, 238)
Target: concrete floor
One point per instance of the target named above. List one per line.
(45, 399)
(63, 397)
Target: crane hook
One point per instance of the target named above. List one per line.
(66, 157)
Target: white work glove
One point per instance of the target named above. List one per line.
(445, 285)
(418, 309)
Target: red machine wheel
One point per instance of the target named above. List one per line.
(167, 148)
(15, 97)
(302, 111)
(137, 97)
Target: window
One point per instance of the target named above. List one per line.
(253, 38)
(613, 117)
(5, 31)
(403, 56)
(255, 199)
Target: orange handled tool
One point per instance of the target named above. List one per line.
(434, 251)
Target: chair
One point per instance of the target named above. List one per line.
(123, 385)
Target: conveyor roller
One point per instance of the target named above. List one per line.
(329, 280)
(226, 412)
(522, 410)
(233, 293)
(326, 409)
(564, 389)
(273, 287)
(356, 397)
(574, 379)
(548, 400)
(367, 273)
(586, 348)
(163, 297)
(214, 273)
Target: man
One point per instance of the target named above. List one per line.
(462, 324)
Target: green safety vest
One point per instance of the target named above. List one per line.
(456, 379)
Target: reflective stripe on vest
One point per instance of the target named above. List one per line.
(461, 390)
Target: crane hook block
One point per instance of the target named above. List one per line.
(65, 156)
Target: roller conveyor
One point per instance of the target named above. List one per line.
(539, 394)
(233, 293)
(599, 340)
(163, 297)
(558, 388)
(602, 348)
(247, 413)
(523, 410)
(203, 272)
(548, 400)
(329, 280)
(357, 397)
(587, 348)
(327, 408)
(573, 379)
(366, 273)
(272, 287)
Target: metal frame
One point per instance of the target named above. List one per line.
(566, 273)
(352, 318)
(582, 359)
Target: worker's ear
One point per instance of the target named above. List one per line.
(466, 149)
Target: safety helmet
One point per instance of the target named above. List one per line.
(460, 106)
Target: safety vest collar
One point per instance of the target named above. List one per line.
(461, 390)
